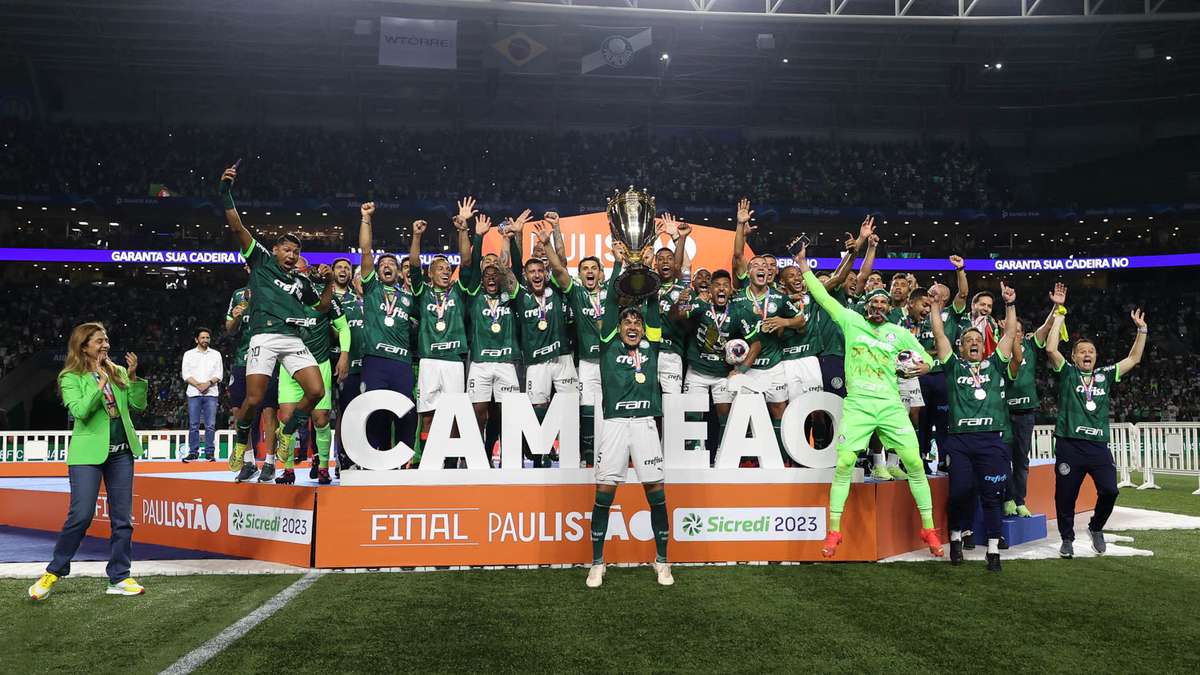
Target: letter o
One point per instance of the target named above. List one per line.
(793, 429)
(354, 430)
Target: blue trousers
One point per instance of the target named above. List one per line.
(117, 474)
(979, 463)
(1076, 459)
(202, 411)
(382, 430)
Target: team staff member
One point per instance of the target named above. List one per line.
(316, 338)
(1023, 404)
(276, 317)
(387, 318)
(1081, 430)
(99, 394)
(933, 423)
(629, 356)
(873, 405)
(492, 327)
(441, 312)
(976, 446)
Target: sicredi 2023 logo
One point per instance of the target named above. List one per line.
(749, 524)
(270, 522)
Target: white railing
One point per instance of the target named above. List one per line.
(51, 446)
(1148, 447)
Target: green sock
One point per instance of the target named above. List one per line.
(587, 436)
(600, 509)
(918, 484)
(660, 522)
(840, 490)
(776, 426)
(324, 440)
(243, 432)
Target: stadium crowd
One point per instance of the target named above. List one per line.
(501, 165)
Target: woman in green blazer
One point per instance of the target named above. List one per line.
(99, 395)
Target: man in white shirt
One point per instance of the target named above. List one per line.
(203, 370)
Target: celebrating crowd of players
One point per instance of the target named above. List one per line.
(916, 365)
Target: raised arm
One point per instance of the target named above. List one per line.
(366, 264)
(744, 229)
(466, 211)
(821, 296)
(1056, 359)
(941, 344)
(560, 245)
(416, 274)
(1139, 344)
(1009, 336)
(868, 262)
(960, 279)
(558, 267)
(1059, 297)
(244, 238)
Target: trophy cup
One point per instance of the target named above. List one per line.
(631, 221)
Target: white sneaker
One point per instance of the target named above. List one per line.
(595, 576)
(663, 572)
(125, 587)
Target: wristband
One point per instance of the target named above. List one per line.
(1061, 310)
(1010, 304)
(1143, 331)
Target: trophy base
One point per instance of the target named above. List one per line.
(638, 282)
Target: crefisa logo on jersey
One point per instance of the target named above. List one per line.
(184, 515)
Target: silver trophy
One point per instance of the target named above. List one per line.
(631, 221)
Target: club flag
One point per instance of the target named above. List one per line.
(619, 52)
(159, 190)
(520, 49)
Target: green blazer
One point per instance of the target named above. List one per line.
(82, 397)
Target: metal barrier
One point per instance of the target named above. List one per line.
(51, 446)
(1169, 448)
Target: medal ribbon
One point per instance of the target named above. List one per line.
(1087, 385)
(493, 308)
(637, 360)
(761, 311)
(442, 298)
(974, 368)
(110, 399)
(389, 302)
(541, 301)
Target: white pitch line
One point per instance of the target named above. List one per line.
(202, 654)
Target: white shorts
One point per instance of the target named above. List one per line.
(626, 437)
(489, 381)
(559, 372)
(670, 373)
(438, 377)
(710, 385)
(771, 383)
(803, 376)
(268, 349)
(590, 392)
(910, 392)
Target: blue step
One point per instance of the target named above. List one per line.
(1015, 530)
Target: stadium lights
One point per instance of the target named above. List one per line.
(1168, 57)
(665, 57)
(999, 66)
(114, 224)
(20, 208)
(43, 208)
(268, 213)
(83, 223)
(784, 60)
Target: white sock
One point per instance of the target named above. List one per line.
(993, 545)
(879, 459)
(248, 456)
(955, 535)
(270, 458)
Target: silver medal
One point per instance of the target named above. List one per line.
(980, 394)
(1090, 405)
(389, 321)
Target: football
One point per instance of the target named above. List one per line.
(735, 351)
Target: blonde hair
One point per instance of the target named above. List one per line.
(77, 361)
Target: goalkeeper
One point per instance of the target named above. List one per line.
(873, 401)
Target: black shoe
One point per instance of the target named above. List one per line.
(288, 477)
(268, 473)
(247, 474)
(993, 560)
(1098, 544)
(968, 540)
(956, 554)
(1067, 550)
(323, 477)
(191, 457)
(210, 457)
(314, 471)
(1003, 543)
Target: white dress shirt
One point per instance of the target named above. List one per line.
(203, 366)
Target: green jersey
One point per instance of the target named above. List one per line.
(491, 324)
(798, 344)
(871, 350)
(317, 339)
(353, 308)
(543, 322)
(387, 317)
(748, 311)
(440, 314)
(280, 296)
(1022, 393)
(588, 307)
(673, 336)
(240, 296)
(1076, 390)
(706, 345)
(832, 341)
(629, 376)
(976, 394)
